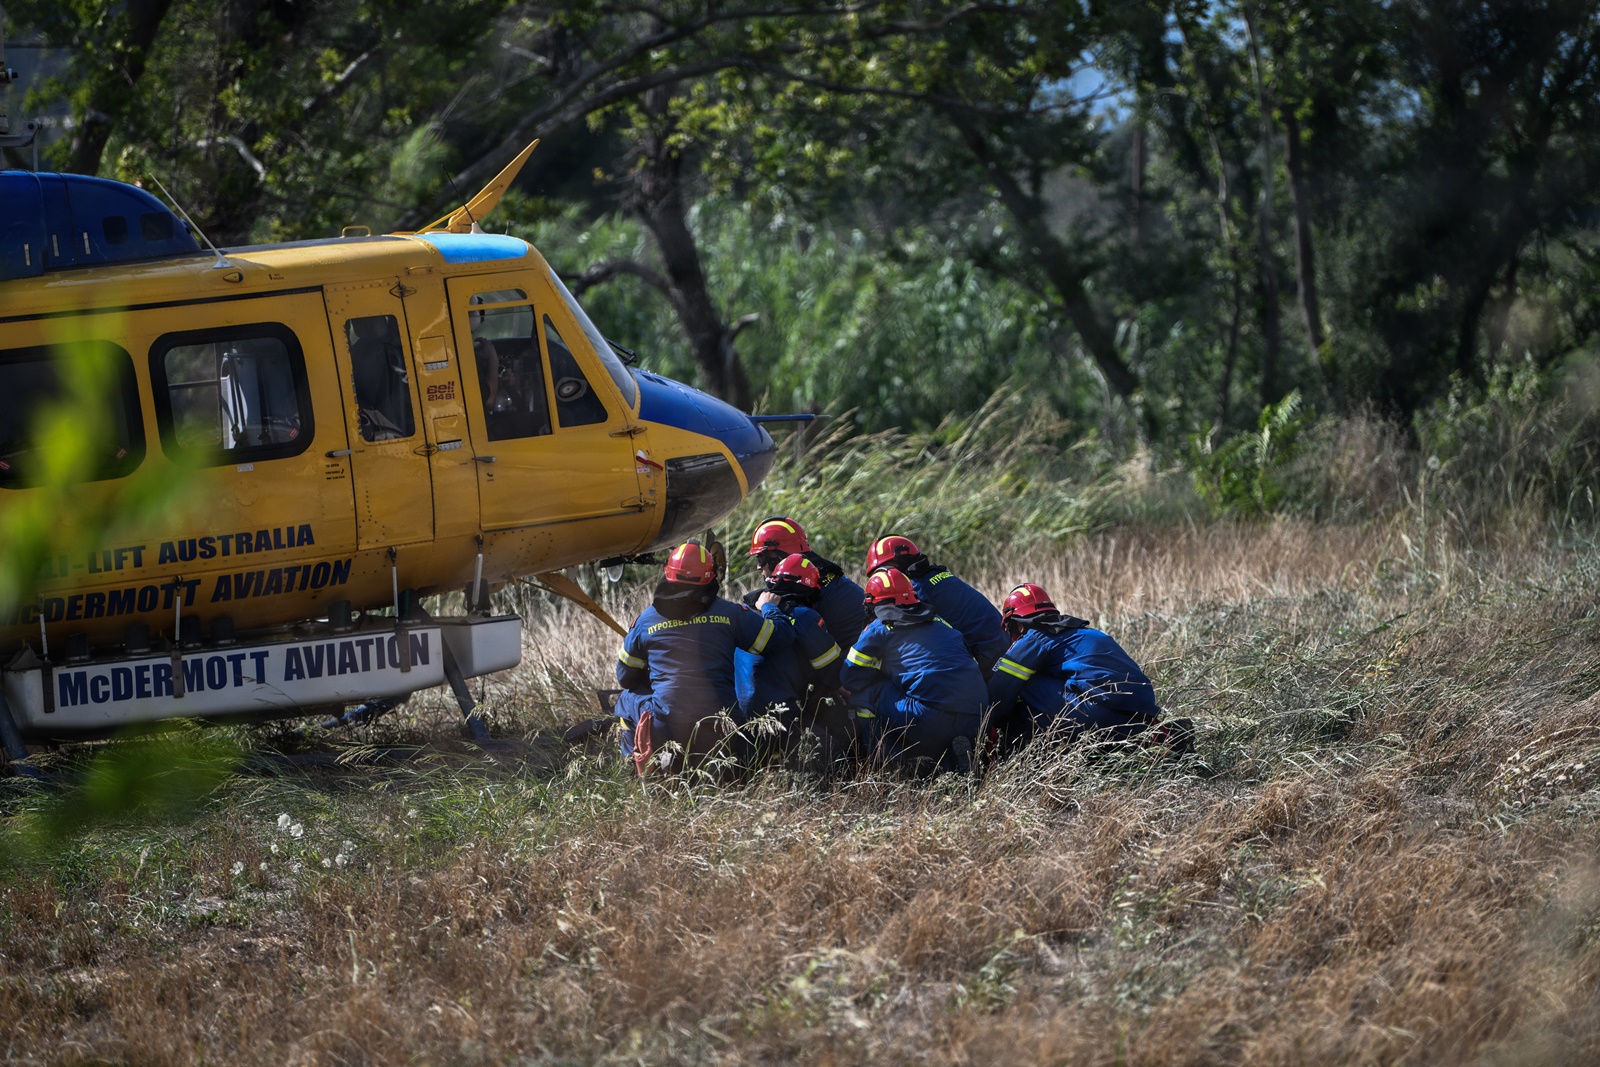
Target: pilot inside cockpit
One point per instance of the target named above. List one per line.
(488, 359)
(510, 369)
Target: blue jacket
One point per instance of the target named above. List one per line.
(964, 608)
(1065, 662)
(920, 656)
(784, 675)
(840, 603)
(687, 663)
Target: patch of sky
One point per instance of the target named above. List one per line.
(1089, 88)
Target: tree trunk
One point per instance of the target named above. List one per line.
(1305, 264)
(1267, 261)
(112, 88)
(1054, 259)
(1518, 219)
(1229, 358)
(657, 197)
(1271, 328)
(1231, 247)
(1136, 192)
(1500, 310)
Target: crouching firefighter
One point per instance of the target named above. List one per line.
(676, 665)
(956, 602)
(839, 602)
(916, 693)
(791, 682)
(1063, 676)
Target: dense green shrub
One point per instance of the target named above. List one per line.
(1525, 445)
(1249, 473)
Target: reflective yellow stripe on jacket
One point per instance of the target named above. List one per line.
(861, 659)
(630, 661)
(760, 643)
(1015, 669)
(826, 658)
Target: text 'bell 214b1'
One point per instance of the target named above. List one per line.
(361, 422)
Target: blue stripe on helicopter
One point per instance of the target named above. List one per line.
(670, 403)
(475, 247)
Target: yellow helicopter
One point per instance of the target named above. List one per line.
(366, 421)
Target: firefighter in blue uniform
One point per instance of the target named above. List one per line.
(676, 666)
(952, 599)
(1061, 674)
(839, 602)
(801, 675)
(913, 685)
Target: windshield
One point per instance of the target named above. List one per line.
(614, 367)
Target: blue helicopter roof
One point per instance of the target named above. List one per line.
(51, 222)
(475, 247)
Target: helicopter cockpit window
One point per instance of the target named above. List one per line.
(378, 373)
(510, 370)
(576, 402)
(238, 391)
(92, 385)
(602, 347)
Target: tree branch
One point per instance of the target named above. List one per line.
(738, 325)
(1066, 276)
(561, 113)
(579, 99)
(919, 96)
(339, 84)
(601, 273)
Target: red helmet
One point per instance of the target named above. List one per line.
(890, 586)
(795, 573)
(1024, 602)
(692, 564)
(779, 534)
(889, 550)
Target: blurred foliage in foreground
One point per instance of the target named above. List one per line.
(146, 778)
(60, 462)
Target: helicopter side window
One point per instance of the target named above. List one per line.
(576, 402)
(239, 392)
(510, 370)
(602, 348)
(378, 373)
(86, 390)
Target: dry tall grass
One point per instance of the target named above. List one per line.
(1385, 853)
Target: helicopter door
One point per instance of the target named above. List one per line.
(389, 466)
(551, 447)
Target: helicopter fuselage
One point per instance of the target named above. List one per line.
(353, 424)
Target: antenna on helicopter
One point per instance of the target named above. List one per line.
(222, 260)
(465, 206)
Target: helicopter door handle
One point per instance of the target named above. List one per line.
(336, 453)
(484, 459)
